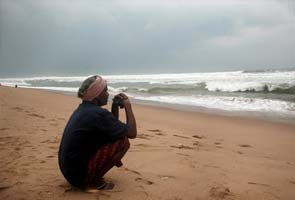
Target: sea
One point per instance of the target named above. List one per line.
(266, 94)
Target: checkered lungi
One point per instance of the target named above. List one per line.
(105, 158)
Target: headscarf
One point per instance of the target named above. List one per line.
(94, 89)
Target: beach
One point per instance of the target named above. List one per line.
(178, 155)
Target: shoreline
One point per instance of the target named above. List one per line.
(176, 155)
(269, 117)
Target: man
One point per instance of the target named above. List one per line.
(94, 140)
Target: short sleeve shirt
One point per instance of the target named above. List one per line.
(89, 128)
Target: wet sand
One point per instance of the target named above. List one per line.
(177, 155)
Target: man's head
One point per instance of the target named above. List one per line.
(94, 89)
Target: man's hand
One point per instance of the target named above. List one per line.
(121, 100)
(125, 99)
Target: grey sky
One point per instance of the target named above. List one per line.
(72, 37)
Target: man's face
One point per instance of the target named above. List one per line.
(102, 99)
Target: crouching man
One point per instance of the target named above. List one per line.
(94, 139)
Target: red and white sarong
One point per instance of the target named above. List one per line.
(105, 158)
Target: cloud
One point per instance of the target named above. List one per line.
(75, 36)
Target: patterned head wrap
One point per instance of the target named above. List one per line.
(94, 89)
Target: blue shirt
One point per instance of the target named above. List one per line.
(89, 128)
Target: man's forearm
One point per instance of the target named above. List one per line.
(115, 110)
(131, 122)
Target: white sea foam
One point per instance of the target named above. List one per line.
(240, 86)
(13, 82)
(25, 81)
(215, 81)
(117, 90)
(182, 78)
(227, 103)
(211, 90)
(62, 89)
(191, 78)
(142, 89)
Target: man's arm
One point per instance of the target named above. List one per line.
(130, 119)
(115, 110)
(131, 122)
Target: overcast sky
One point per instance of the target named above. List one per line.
(78, 37)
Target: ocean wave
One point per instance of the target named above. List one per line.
(227, 103)
(193, 88)
(214, 87)
(13, 82)
(117, 90)
(43, 81)
(181, 78)
(269, 70)
(195, 78)
(54, 83)
(62, 89)
(164, 89)
(251, 87)
(230, 94)
(272, 89)
(277, 77)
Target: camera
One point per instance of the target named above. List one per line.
(118, 100)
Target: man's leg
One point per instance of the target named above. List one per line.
(105, 158)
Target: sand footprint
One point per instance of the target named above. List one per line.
(5, 187)
(245, 145)
(260, 184)
(131, 170)
(166, 177)
(138, 179)
(17, 148)
(219, 192)
(183, 154)
(148, 148)
(66, 187)
(36, 115)
(157, 132)
(53, 147)
(181, 146)
(144, 136)
(197, 143)
(17, 108)
(142, 145)
(143, 180)
(198, 136)
(181, 136)
(218, 144)
(50, 141)
(154, 130)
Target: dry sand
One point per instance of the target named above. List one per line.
(177, 155)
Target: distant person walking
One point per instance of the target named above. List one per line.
(94, 139)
